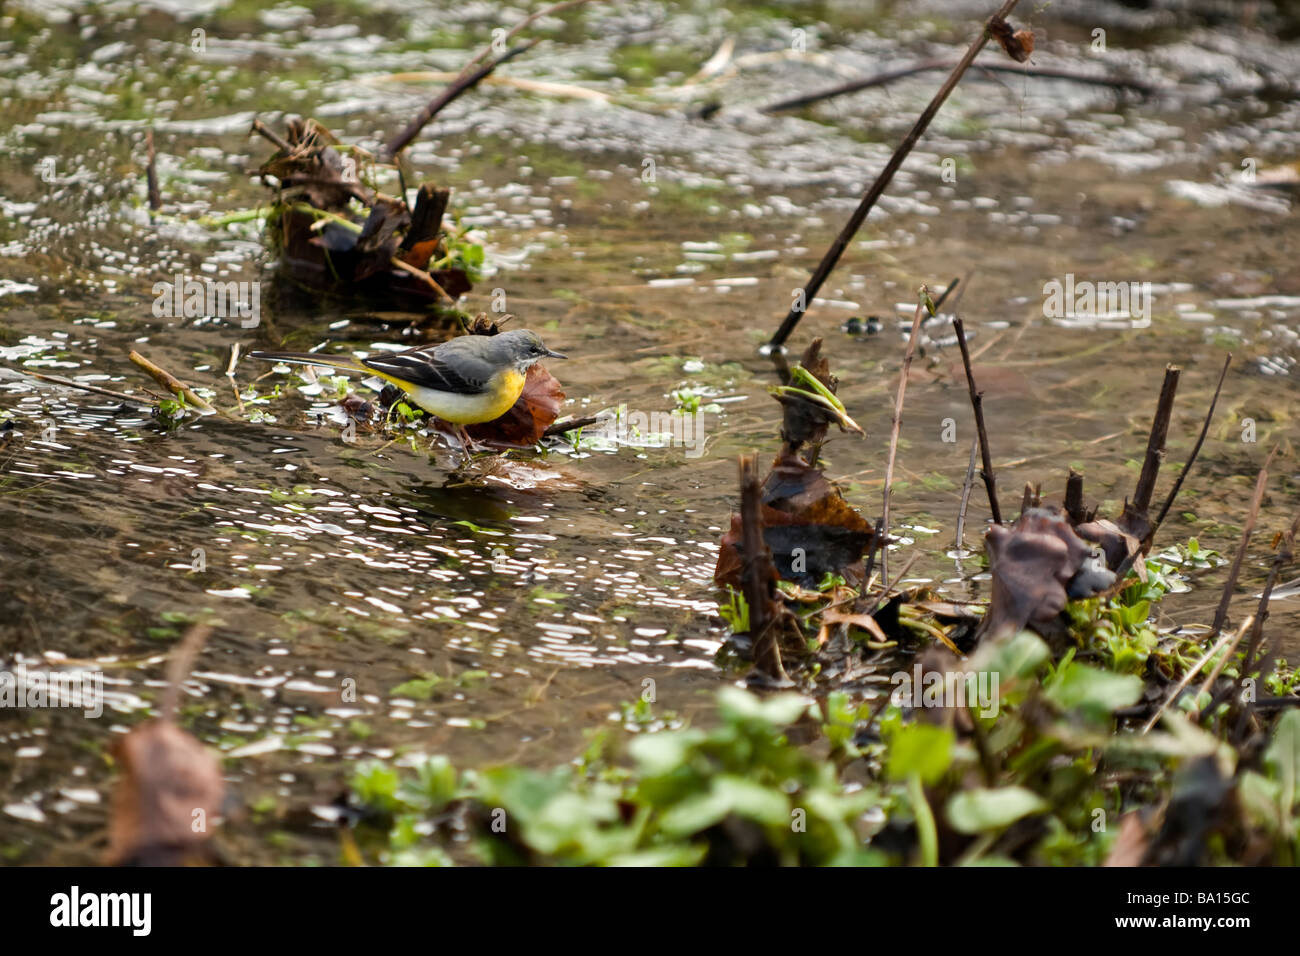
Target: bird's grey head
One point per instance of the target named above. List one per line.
(523, 347)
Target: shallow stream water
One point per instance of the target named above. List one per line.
(501, 611)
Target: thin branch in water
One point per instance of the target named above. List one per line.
(1193, 671)
(230, 374)
(1196, 449)
(178, 668)
(69, 383)
(422, 276)
(977, 403)
(264, 131)
(965, 498)
(832, 256)
(560, 428)
(151, 173)
(471, 75)
(1146, 485)
(171, 383)
(758, 577)
(898, 422)
(1264, 662)
(925, 66)
(523, 25)
(943, 296)
(465, 81)
(1221, 615)
(1074, 507)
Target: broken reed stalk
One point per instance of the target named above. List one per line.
(877, 541)
(1074, 507)
(965, 497)
(151, 173)
(230, 374)
(523, 24)
(757, 585)
(896, 427)
(1251, 624)
(471, 76)
(178, 668)
(1230, 585)
(69, 383)
(1146, 486)
(977, 403)
(271, 136)
(559, 428)
(1219, 645)
(1264, 661)
(832, 256)
(943, 296)
(1196, 449)
(422, 276)
(171, 383)
(465, 81)
(925, 66)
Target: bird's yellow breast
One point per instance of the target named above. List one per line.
(502, 392)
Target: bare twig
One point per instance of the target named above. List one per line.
(1194, 670)
(278, 141)
(1263, 663)
(559, 428)
(1074, 507)
(462, 83)
(422, 276)
(230, 374)
(1221, 614)
(1252, 624)
(524, 24)
(1146, 485)
(758, 577)
(943, 296)
(69, 383)
(965, 497)
(471, 74)
(1196, 449)
(151, 172)
(832, 256)
(171, 383)
(924, 66)
(897, 425)
(977, 403)
(178, 668)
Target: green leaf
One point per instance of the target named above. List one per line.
(662, 856)
(1283, 757)
(1260, 798)
(435, 785)
(921, 749)
(418, 689)
(982, 809)
(375, 785)
(727, 795)
(777, 711)
(1092, 689)
(663, 752)
(1013, 657)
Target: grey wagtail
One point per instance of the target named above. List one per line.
(464, 381)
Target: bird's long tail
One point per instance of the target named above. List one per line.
(312, 358)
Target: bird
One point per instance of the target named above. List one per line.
(464, 381)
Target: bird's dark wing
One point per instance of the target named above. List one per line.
(435, 367)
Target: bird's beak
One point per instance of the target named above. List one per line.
(556, 354)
